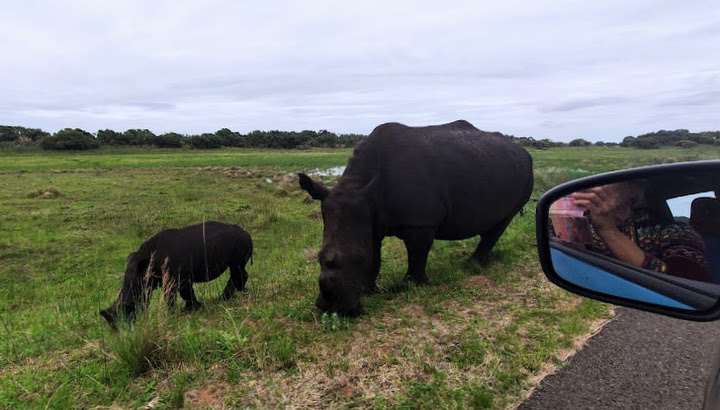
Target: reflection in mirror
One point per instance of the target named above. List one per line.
(655, 240)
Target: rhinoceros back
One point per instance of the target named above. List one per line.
(454, 177)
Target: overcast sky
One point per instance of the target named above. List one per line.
(548, 69)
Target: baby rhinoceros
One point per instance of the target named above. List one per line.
(177, 258)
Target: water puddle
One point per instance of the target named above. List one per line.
(328, 172)
(565, 169)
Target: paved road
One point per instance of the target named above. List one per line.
(639, 361)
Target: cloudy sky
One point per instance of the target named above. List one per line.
(548, 69)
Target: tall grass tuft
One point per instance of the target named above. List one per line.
(149, 342)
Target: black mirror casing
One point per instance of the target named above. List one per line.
(703, 306)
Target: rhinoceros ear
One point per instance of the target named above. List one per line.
(316, 190)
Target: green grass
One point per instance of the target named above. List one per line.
(475, 338)
(136, 157)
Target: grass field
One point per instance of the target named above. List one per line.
(480, 336)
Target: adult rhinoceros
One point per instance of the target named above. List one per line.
(419, 184)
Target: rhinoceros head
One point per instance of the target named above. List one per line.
(346, 255)
(133, 293)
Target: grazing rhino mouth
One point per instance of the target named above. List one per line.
(110, 315)
(351, 310)
(338, 296)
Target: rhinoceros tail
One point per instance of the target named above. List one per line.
(249, 256)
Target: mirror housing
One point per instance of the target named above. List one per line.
(581, 249)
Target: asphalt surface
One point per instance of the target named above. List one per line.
(638, 361)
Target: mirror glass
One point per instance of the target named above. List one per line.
(654, 240)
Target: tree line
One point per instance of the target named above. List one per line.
(677, 138)
(663, 138)
(78, 139)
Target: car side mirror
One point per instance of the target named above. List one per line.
(646, 238)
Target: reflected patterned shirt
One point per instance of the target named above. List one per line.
(675, 249)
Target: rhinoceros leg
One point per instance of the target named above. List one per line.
(188, 295)
(238, 278)
(418, 243)
(489, 239)
(377, 259)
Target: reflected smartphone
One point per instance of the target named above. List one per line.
(570, 222)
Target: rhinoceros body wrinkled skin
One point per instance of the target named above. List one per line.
(446, 182)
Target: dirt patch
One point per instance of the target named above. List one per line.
(47, 193)
(233, 172)
(212, 396)
(288, 182)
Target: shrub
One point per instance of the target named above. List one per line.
(230, 138)
(579, 142)
(205, 141)
(70, 139)
(138, 137)
(10, 133)
(628, 141)
(110, 137)
(168, 140)
(686, 144)
(646, 143)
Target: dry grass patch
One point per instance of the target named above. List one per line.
(310, 255)
(209, 396)
(46, 193)
(382, 360)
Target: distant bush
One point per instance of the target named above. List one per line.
(139, 137)
(205, 141)
(70, 139)
(686, 144)
(168, 140)
(579, 142)
(628, 141)
(230, 138)
(129, 137)
(531, 142)
(110, 137)
(21, 134)
(646, 143)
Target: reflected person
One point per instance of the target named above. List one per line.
(624, 229)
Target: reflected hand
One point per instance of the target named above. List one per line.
(604, 205)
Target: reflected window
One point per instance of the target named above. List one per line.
(680, 206)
